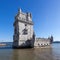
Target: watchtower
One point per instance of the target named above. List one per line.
(23, 30)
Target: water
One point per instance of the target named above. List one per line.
(31, 54)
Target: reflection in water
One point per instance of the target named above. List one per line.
(31, 54)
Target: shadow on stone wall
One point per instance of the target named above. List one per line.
(27, 44)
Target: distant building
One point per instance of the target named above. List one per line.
(24, 35)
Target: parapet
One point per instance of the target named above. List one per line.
(26, 16)
(23, 17)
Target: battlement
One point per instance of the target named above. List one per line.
(23, 16)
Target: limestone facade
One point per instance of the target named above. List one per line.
(23, 30)
(24, 34)
(41, 42)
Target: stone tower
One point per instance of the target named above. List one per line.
(23, 30)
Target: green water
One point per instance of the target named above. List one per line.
(31, 54)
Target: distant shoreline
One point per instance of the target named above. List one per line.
(2, 44)
(10, 43)
(56, 42)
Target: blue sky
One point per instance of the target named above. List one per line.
(45, 15)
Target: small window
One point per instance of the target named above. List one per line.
(47, 44)
(25, 24)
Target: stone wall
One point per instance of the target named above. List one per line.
(23, 30)
(24, 35)
(41, 42)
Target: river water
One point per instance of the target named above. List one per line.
(52, 53)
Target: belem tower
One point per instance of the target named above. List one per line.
(24, 35)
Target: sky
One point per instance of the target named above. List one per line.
(45, 16)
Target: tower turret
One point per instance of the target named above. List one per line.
(19, 10)
(29, 17)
